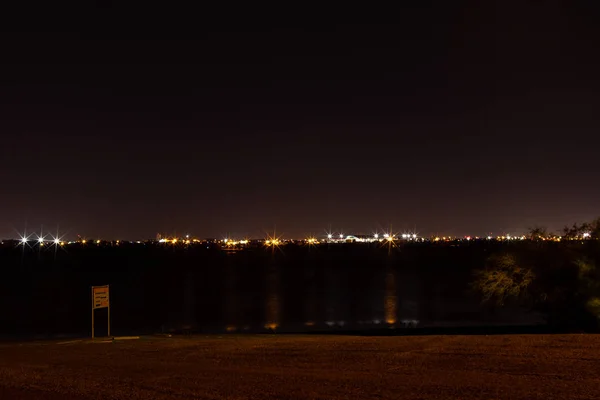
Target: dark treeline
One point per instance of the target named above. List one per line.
(344, 286)
(558, 279)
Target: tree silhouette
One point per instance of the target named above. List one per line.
(538, 233)
(503, 280)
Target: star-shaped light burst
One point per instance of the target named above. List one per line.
(24, 240)
(329, 233)
(311, 241)
(226, 239)
(57, 242)
(41, 239)
(273, 241)
(389, 239)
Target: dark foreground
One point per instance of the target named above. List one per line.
(306, 367)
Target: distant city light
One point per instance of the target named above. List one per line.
(388, 238)
(272, 242)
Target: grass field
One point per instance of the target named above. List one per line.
(305, 367)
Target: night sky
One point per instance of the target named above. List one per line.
(455, 119)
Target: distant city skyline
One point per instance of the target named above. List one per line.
(49, 234)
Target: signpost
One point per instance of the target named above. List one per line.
(100, 299)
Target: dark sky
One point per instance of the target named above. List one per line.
(454, 119)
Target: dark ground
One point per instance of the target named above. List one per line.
(305, 367)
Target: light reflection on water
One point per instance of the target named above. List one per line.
(230, 300)
(310, 302)
(312, 298)
(272, 305)
(391, 298)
